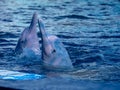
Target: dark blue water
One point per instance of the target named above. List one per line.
(89, 29)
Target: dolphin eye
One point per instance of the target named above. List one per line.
(22, 41)
(54, 51)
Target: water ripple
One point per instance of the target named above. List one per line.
(89, 31)
(72, 17)
(8, 35)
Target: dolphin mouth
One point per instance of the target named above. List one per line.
(47, 46)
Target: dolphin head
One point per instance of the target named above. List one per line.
(28, 38)
(53, 52)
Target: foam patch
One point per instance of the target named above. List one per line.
(15, 75)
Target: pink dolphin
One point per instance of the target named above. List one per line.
(53, 52)
(29, 41)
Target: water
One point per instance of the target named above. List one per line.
(89, 29)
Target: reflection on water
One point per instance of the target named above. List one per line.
(90, 30)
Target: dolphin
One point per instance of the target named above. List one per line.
(28, 42)
(54, 55)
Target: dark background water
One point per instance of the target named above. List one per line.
(89, 29)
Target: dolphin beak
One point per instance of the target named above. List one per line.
(34, 21)
(47, 47)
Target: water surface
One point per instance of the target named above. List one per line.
(89, 29)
